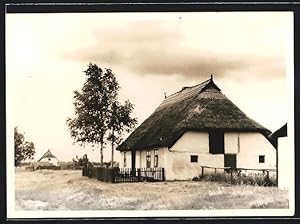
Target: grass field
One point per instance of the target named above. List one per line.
(68, 190)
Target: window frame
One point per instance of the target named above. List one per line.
(125, 160)
(156, 158)
(148, 158)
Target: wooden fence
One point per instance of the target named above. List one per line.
(140, 174)
(117, 175)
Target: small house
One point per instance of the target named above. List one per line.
(198, 126)
(49, 158)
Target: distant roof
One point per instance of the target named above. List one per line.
(47, 155)
(198, 108)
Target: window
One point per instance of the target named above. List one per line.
(148, 158)
(125, 162)
(156, 158)
(216, 142)
(261, 159)
(194, 159)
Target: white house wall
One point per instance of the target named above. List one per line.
(251, 146)
(143, 159)
(247, 146)
(53, 161)
(128, 159)
(177, 160)
(140, 158)
(161, 157)
(284, 176)
(179, 165)
(231, 143)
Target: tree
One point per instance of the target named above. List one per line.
(92, 106)
(120, 122)
(23, 149)
(81, 161)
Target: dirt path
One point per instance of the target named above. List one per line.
(68, 190)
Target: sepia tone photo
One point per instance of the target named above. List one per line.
(150, 114)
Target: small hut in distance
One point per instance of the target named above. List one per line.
(48, 157)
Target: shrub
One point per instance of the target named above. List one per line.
(68, 165)
(49, 167)
(238, 178)
(81, 161)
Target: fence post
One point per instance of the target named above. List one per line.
(163, 174)
(215, 170)
(132, 172)
(276, 178)
(230, 175)
(202, 171)
(267, 179)
(139, 174)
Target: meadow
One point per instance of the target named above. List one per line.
(69, 190)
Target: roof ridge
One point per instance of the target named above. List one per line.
(179, 95)
(185, 87)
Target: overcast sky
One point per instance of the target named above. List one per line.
(150, 53)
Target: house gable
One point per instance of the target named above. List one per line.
(48, 156)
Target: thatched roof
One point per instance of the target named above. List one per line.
(47, 155)
(198, 108)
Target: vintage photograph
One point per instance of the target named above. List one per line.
(149, 114)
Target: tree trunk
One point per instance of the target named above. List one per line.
(101, 153)
(101, 150)
(112, 148)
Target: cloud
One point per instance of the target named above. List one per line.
(151, 47)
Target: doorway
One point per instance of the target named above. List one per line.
(133, 160)
(230, 160)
